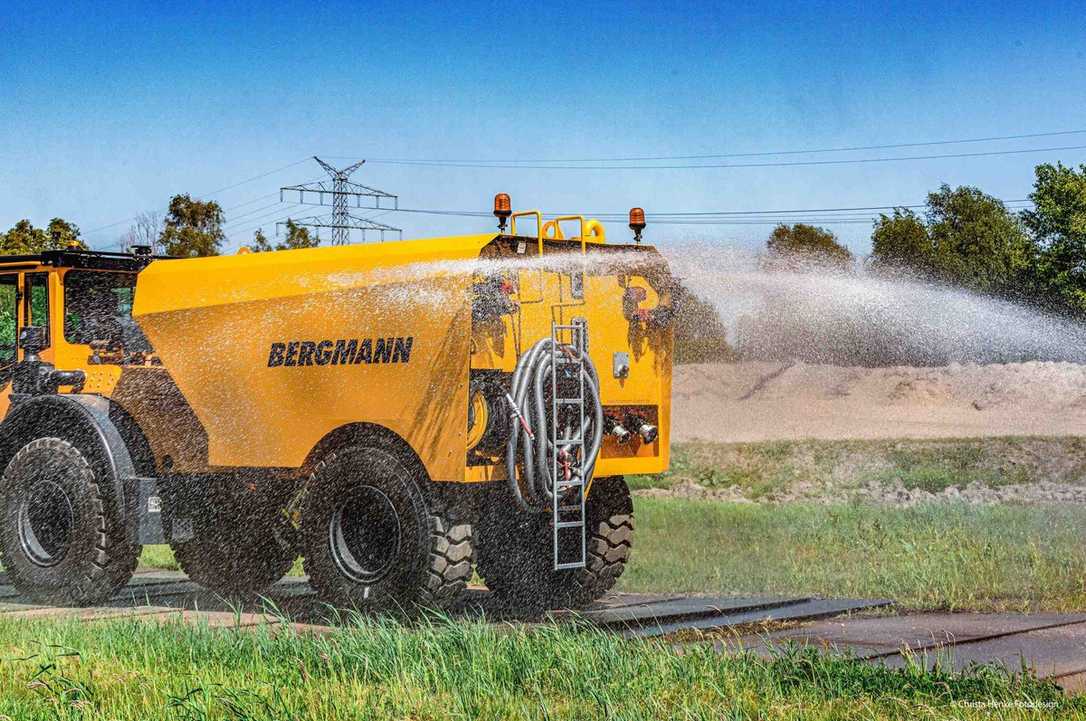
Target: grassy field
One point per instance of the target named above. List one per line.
(131, 671)
(764, 470)
(937, 556)
(930, 556)
(933, 556)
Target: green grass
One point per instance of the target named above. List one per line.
(933, 556)
(132, 671)
(762, 470)
(159, 557)
(935, 469)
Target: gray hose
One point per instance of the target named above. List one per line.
(531, 381)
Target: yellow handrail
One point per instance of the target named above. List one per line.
(552, 229)
(580, 219)
(538, 224)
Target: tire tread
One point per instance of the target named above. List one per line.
(114, 557)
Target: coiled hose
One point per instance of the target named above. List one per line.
(530, 430)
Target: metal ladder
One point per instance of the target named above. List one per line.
(567, 454)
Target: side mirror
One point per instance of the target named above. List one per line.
(32, 339)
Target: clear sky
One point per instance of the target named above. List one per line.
(110, 108)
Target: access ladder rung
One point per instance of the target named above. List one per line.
(568, 364)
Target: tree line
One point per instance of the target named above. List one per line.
(969, 239)
(189, 228)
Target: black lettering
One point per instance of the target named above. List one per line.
(365, 352)
(341, 352)
(305, 353)
(382, 352)
(275, 357)
(324, 352)
(403, 350)
(344, 352)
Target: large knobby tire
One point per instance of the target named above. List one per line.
(374, 540)
(515, 552)
(239, 548)
(62, 540)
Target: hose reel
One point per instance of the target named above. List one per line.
(539, 419)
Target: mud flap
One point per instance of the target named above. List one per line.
(148, 511)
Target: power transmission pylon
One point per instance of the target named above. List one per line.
(344, 194)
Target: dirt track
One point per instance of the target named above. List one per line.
(760, 401)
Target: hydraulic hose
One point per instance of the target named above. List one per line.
(530, 431)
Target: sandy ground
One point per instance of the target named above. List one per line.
(760, 401)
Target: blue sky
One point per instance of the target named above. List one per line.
(110, 108)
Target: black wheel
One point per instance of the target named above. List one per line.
(62, 540)
(238, 547)
(516, 557)
(373, 540)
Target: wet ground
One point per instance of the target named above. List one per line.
(1052, 645)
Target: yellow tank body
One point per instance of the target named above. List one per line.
(274, 351)
(251, 408)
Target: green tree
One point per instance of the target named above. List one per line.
(297, 237)
(23, 238)
(700, 335)
(260, 242)
(1058, 225)
(801, 245)
(900, 241)
(192, 227)
(967, 238)
(976, 242)
(63, 234)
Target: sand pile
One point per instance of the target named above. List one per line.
(760, 401)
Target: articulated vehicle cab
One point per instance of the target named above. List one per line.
(396, 413)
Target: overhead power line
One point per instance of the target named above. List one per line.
(246, 217)
(261, 220)
(621, 163)
(709, 156)
(207, 195)
(696, 166)
(255, 177)
(664, 216)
